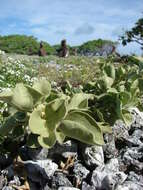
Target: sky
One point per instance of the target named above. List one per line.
(77, 21)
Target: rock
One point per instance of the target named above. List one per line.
(122, 148)
(15, 181)
(120, 177)
(68, 148)
(110, 181)
(80, 171)
(120, 187)
(7, 188)
(109, 148)
(46, 187)
(59, 180)
(104, 51)
(27, 153)
(112, 165)
(137, 119)
(120, 130)
(135, 139)
(96, 178)
(93, 155)
(41, 170)
(5, 160)
(33, 185)
(133, 177)
(86, 186)
(67, 188)
(37, 186)
(108, 177)
(133, 158)
(107, 181)
(8, 172)
(107, 50)
(130, 186)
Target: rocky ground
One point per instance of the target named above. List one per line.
(118, 165)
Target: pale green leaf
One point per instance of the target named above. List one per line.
(43, 87)
(81, 126)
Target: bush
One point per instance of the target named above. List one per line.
(94, 45)
(22, 44)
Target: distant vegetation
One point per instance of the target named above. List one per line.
(22, 44)
(94, 45)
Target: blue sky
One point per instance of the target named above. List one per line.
(76, 20)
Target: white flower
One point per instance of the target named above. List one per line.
(98, 61)
(11, 72)
(2, 52)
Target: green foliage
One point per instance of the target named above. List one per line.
(94, 45)
(82, 126)
(135, 34)
(29, 45)
(83, 111)
(22, 44)
(50, 118)
(49, 49)
(116, 91)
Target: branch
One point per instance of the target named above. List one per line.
(137, 42)
(138, 38)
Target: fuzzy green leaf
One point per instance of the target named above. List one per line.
(81, 126)
(6, 96)
(110, 106)
(43, 87)
(37, 124)
(79, 101)
(36, 96)
(109, 70)
(55, 111)
(21, 98)
(127, 117)
(9, 124)
(105, 82)
(105, 127)
(141, 84)
(47, 142)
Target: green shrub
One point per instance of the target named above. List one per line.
(22, 44)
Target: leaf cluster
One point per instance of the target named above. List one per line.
(118, 89)
(22, 44)
(45, 116)
(135, 34)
